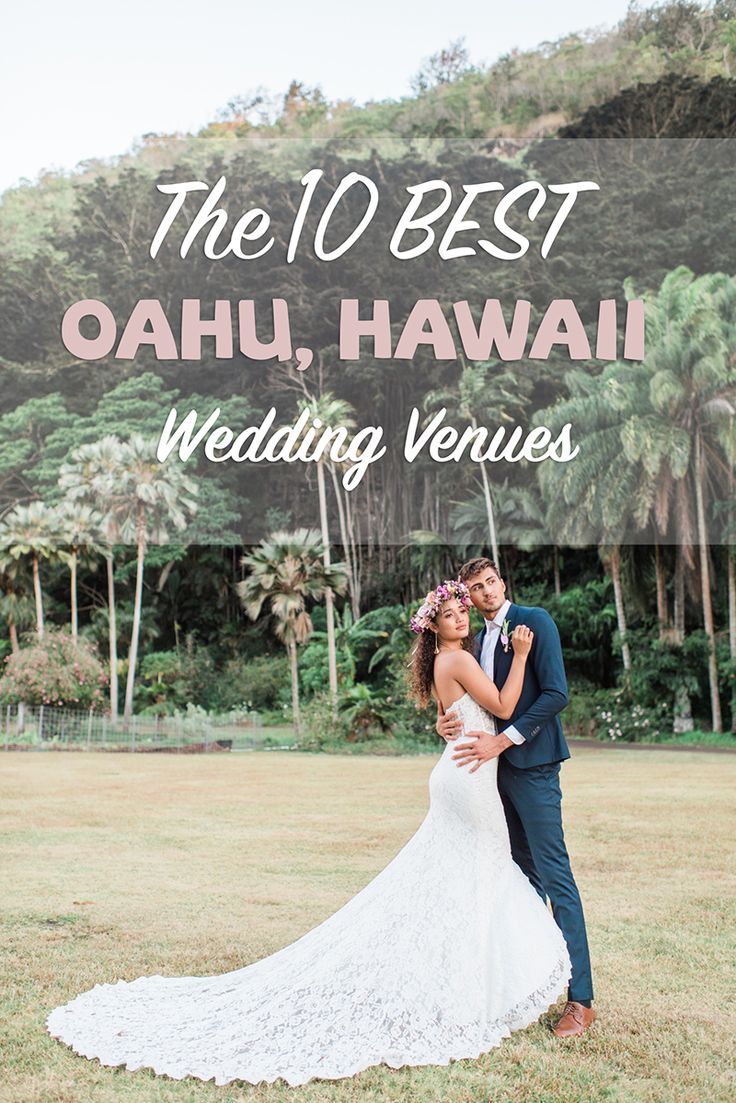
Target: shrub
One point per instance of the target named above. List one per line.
(394, 726)
(365, 712)
(389, 653)
(586, 618)
(172, 681)
(167, 682)
(262, 684)
(314, 671)
(622, 719)
(320, 728)
(408, 721)
(662, 671)
(586, 700)
(54, 671)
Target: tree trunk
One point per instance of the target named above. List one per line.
(489, 510)
(73, 572)
(291, 649)
(715, 701)
(556, 569)
(618, 595)
(662, 611)
(732, 629)
(13, 633)
(133, 652)
(38, 596)
(509, 577)
(356, 548)
(329, 596)
(679, 594)
(354, 599)
(113, 637)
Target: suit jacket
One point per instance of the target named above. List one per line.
(543, 694)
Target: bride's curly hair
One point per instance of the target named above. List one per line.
(421, 674)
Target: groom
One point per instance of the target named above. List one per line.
(530, 748)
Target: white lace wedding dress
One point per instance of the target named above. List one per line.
(441, 956)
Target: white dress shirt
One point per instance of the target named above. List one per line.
(487, 657)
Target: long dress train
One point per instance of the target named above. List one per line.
(441, 956)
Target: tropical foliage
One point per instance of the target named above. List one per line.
(203, 584)
(287, 572)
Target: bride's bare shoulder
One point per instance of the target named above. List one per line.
(449, 661)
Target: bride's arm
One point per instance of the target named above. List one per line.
(465, 670)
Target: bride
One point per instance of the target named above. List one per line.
(446, 952)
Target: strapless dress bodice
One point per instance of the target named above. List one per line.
(473, 716)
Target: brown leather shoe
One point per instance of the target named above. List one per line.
(574, 1021)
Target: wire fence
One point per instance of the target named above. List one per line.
(44, 727)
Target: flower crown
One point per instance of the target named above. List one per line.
(434, 600)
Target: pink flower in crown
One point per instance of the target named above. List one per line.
(435, 599)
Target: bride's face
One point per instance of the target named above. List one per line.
(452, 621)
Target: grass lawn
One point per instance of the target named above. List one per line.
(118, 865)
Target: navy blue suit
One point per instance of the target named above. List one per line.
(529, 784)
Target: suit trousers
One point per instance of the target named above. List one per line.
(532, 800)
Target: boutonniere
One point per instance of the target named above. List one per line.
(506, 634)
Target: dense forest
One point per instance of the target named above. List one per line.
(218, 587)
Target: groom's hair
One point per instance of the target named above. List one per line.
(475, 566)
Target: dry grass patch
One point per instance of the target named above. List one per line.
(119, 865)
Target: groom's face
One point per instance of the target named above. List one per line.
(487, 592)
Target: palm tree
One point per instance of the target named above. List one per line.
(590, 499)
(729, 539)
(287, 571)
(149, 498)
(345, 518)
(336, 413)
(474, 396)
(15, 605)
(141, 499)
(611, 556)
(31, 531)
(522, 521)
(79, 530)
(682, 434)
(655, 435)
(89, 479)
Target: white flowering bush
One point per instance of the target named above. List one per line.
(621, 720)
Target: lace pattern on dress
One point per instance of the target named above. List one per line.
(441, 956)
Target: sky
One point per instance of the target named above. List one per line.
(85, 78)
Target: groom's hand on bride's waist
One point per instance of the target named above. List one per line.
(485, 748)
